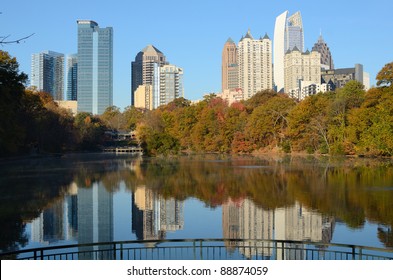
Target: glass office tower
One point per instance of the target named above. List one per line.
(95, 67)
(72, 77)
(47, 72)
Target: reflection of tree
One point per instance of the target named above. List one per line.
(26, 188)
(351, 190)
(385, 235)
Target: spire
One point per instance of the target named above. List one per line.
(295, 48)
(230, 40)
(320, 39)
(248, 35)
(266, 36)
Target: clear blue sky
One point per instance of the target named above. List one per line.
(192, 33)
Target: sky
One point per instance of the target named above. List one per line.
(191, 34)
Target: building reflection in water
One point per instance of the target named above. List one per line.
(153, 215)
(58, 222)
(242, 219)
(95, 220)
(85, 215)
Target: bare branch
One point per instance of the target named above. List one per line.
(3, 40)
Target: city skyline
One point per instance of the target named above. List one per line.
(350, 37)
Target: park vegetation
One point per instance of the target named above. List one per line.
(349, 121)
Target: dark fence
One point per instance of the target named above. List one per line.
(203, 249)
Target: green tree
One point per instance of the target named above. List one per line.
(132, 116)
(113, 118)
(349, 97)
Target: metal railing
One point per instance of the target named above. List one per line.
(203, 249)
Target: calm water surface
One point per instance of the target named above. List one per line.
(98, 198)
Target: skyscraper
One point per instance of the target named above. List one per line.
(254, 57)
(95, 67)
(171, 83)
(294, 32)
(72, 77)
(326, 56)
(229, 67)
(288, 33)
(301, 67)
(47, 72)
(145, 68)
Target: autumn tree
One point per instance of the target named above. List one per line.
(112, 118)
(267, 123)
(385, 75)
(131, 117)
(345, 99)
(12, 85)
(89, 131)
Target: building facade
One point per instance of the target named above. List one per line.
(72, 77)
(232, 96)
(294, 36)
(47, 73)
(288, 33)
(95, 67)
(337, 78)
(254, 57)
(326, 56)
(143, 97)
(301, 67)
(229, 67)
(171, 83)
(145, 69)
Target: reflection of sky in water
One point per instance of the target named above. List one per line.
(366, 236)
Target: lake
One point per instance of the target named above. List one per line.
(85, 198)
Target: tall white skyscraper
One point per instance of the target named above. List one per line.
(288, 33)
(47, 73)
(171, 83)
(254, 58)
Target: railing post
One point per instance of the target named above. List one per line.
(194, 249)
(353, 252)
(282, 250)
(121, 251)
(276, 249)
(114, 251)
(200, 250)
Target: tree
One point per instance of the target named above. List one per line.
(112, 117)
(385, 75)
(90, 130)
(12, 85)
(132, 116)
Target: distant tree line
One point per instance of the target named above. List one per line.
(350, 121)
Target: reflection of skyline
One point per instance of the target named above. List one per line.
(153, 215)
(85, 215)
(244, 220)
(95, 219)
